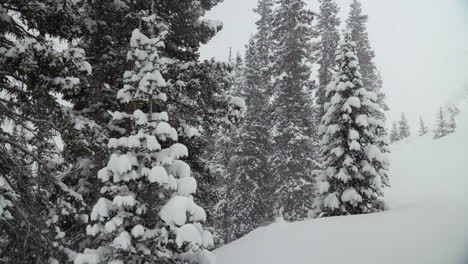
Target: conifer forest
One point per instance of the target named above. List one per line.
(125, 138)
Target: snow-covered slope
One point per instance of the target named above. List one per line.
(428, 222)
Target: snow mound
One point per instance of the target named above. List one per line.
(427, 223)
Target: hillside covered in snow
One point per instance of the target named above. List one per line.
(427, 223)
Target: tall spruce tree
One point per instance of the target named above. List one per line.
(220, 153)
(146, 211)
(293, 130)
(422, 127)
(248, 170)
(353, 151)
(325, 47)
(356, 22)
(223, 145)
(403, 127)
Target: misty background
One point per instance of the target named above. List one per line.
(421, 48)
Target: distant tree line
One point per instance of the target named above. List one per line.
(445, 124)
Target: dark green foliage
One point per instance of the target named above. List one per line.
(36, 205)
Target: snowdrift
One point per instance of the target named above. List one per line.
(428, 222)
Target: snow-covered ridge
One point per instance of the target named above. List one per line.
(427, 222)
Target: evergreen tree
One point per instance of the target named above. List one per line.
(248, 170)
(248, 163)
(293, 131)
(223, 145)
(452, 123)
(325, 47)
(442, 128)
(238, 83)
(198, 95)
(403, 126)
(394, 133)
(422, 127)
(247, 176)
(36, 206)
(219, 155)
(353, 153)
(371, 78)
(146, 211)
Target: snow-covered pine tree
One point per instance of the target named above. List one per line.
(353, 153)
(222, 148)
(248, 169)
(452, 122)
(394, 133)
(35, 203)
(248, 174)
(403, 127)
(325, 47)
(146, 212)
(442, 128)
(423, 130)
(293, 131)
(199, 89)
(356, 22)
(220, 115)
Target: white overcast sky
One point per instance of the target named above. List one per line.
(421, 48)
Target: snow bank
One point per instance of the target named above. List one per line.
(428, 222)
